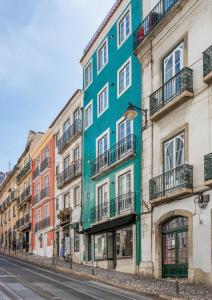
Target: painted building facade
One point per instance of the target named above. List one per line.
(112, 144)
(173, 44)
(67, 129)
(8, 210)
(43, 195)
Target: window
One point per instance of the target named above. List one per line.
(66, 163)
(102, 56)
(38, 216)
(46, 152)
(76, 114)
(14, 211)
(46, 181)
(57, 204)
(124, 77)
(102, 100)
(174, 157)
(76, 241)
(76, 153)
(57, 170)
(66, 125)
(125, 128)
(66, 200)
(38, 162)
(38, 188)
(124, 242)
(124, 28)
(100, 241)
(88, 76)
(103, 145)
(172, 64)
(76, 196)
(174, 152)
(57, 136)
(89, 114)
(46, 211)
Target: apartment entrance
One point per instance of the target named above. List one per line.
(175, 247)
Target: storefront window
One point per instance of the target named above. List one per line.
(101, 246)
(124, 242)
(76, 241)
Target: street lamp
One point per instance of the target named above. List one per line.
(132, 112)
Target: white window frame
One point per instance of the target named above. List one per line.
(87, 65)
(122, 172)
(89, 104)
(106, 132)
(106, 86)
(97, 53)
(117, 127)
(128, 61)
(101, 183)
(128, 11)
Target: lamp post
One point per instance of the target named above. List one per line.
(132, 112)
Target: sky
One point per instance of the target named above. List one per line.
(41, 43)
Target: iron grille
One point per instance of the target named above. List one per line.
(114, 154)
(152, 20)
(208, 166)
(207, 61)
(69, 173)
(176, 179)
(182, 81)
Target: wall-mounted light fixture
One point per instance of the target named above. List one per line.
(132, 112)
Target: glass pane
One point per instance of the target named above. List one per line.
(169, 155)
(124, 242)
(169, 249)
(183, 247)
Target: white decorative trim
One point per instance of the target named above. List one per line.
(99, 93)
(117, 127)
(103, 182)
(127, 11)
(90, 62)
(129, 60)
(122, 172)
(97, 55)
(90, 103)
(106, 132)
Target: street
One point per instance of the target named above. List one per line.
(21, 280)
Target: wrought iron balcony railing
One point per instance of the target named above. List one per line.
(65, 215)
(208, 166)
(114, 154)
(69, 173)
(14, 195)
(152, 20)
(36, 173)
(25, 194)
(45, 193)
(24, 171)
(72, 131)
(42, 224)
(100, 213)
(45, 164)
(171, 181)
(207, 61)
(123, 204)
(182, 81)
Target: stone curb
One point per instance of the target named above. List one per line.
(70, 271)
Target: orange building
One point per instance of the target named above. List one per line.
(43, 195)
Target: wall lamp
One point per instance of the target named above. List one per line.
(132, 112)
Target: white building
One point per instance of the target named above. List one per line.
(67, 128)
(173, 45)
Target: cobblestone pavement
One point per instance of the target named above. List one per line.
(161, 287)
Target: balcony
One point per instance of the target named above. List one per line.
(120, 206)
(152, 20)
(207, 65)
(74, 130)
(172, 184)
(118, 153)
(14, 195)
(23, 222)
(37, 198)
(23, 172)
(42, 224)
(25, 195)
(45, 164)
(64, 216)
(45, 193)
(208, 169)
(36, 173)
(172, 93)
(69, 174)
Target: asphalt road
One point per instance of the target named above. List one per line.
(22, 280)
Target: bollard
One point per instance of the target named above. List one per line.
(177, 287)
(70, 262)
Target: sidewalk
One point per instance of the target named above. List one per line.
(162, 287)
